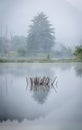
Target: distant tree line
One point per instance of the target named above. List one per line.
(17, 45)
(40, 40)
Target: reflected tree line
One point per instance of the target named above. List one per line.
(36, 83)
(78, 69)
(39, 86)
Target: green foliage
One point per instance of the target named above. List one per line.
(40, 35)
(78, 52)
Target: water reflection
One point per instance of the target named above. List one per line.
(15, 101)
(40, 96)
(78, 69)
(40, 86)
(19, 99)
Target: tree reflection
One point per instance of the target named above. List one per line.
(40, 86)
(78, 69)
(40, 96)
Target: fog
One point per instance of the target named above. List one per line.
(64, 15)
(77, 4)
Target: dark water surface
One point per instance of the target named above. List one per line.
(59, 108)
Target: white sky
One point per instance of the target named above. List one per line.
(76, 3)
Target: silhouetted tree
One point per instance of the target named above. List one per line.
(40, 35)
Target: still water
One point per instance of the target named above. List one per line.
(58, 108)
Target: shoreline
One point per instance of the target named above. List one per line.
(39, 60)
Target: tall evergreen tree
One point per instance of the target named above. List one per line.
(40, 35)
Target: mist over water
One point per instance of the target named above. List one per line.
(44, 109)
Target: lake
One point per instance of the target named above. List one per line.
(56, 108)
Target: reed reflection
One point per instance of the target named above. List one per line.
(40, 86)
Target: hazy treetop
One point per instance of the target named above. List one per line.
(65, 17)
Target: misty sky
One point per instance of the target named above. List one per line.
(64, 15)
(76, 3)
